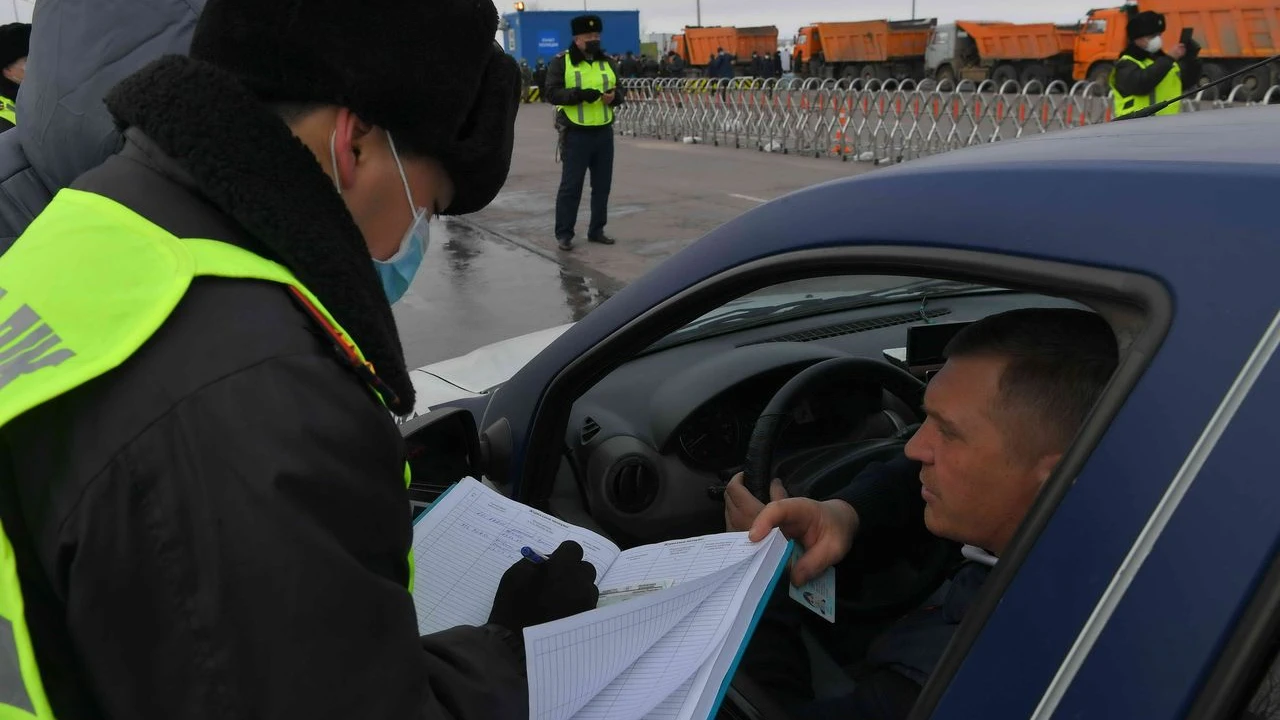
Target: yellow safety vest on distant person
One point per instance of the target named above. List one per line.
(1169, 88)
(589, 76)
(63, 324)
(8, 110)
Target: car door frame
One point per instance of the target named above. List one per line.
(1140, 294)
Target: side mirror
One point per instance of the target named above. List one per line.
(442, 448)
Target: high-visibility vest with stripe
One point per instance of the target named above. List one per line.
(596, 75)
(8, 110)
(62, 324)
(1169, 88)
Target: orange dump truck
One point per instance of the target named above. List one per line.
(869, 49)
(1232, 34)
(697, 44)
(1001, 51)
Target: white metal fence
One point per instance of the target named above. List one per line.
(888, 121)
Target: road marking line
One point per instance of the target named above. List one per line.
(748, 197)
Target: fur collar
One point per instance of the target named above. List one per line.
(577, 57)
(246, 162)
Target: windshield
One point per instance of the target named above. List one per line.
(814, 296)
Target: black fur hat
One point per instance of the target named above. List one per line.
(429, 73)
(584, 24)
(15, 43)
(1145, 24)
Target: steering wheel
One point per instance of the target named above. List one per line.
(887, 573)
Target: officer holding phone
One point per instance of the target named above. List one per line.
(1145, 74)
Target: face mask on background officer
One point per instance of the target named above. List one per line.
(588, 43)
(1154, 44)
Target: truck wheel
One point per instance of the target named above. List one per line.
(868, 73)
(1036, 73)
(1100, 76)
(1256, 83)
(944, 73)
(1211, 72)
(1002, 74)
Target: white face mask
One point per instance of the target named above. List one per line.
(1154, 44)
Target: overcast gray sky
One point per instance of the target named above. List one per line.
(665, 16)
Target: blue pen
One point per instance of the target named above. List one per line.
(531, 555)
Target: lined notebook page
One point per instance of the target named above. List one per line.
(469, 538)
(678, 561)
(622, 660)
(675, 658)
(698, 699)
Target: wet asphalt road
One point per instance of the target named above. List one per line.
(475, 288)
(497, 274)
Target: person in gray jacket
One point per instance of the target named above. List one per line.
(79, 50)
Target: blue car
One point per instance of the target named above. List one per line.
(1145, 582)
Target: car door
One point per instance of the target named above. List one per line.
(1167, 611)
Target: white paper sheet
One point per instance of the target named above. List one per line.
(469, 538)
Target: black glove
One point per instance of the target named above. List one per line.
(588, 95)
(534, 593)
(1193, 49)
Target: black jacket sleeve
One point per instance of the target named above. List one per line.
(1131, 79)
(1189, 65)
(246, 557)
(886, 495)
(555, 92)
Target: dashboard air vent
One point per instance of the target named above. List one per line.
(633, 483)
(831, 331)
(590, 428)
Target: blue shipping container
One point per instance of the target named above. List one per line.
(535, 34)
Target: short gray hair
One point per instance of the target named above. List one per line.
(1058, 362)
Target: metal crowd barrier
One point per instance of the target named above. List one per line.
(889, 121)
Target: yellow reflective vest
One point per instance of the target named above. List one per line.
(63, 324)
(596, 75)
(1170, 87)
(8, 110)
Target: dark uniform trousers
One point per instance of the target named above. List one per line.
(584, 149)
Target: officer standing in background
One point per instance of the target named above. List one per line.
(203, 502)
(582, 83)
(15, 44)
(1145, 74)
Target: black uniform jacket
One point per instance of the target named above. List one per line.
(219, 527)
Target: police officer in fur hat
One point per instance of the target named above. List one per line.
(15, 44)
(582, 83)
(1145, 74)
(204, 507)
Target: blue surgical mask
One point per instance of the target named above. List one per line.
(396, 272)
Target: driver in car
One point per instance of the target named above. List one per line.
(1000, 413)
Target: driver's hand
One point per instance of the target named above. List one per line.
(741, 507)
(825, 529)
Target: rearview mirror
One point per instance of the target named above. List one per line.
(442, 447)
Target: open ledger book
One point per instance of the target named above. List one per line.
(662, 643)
